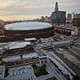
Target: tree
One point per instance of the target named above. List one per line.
(75, 77)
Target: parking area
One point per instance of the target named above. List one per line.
(21, 73)
(26, 72)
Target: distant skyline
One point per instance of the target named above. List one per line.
(31, 9)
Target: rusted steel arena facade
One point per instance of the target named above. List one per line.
(15, 35)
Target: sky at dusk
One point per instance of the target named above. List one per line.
(31, 9)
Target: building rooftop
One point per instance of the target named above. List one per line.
(2, 71)
(18, 57)
(14, 45)
(17, 45)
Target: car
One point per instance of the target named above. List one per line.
(60, 49)
(52, 61)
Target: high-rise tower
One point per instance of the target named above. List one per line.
(58, 17)
(56, 7)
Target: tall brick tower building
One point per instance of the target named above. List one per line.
(58, 17)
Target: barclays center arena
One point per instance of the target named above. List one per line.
(20, 30)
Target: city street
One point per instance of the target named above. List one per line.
(50, 55)
(74, 68)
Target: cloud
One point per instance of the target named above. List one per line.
(27, 7)
(70, 5)
(36, 7)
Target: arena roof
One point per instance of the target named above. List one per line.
(27, 26)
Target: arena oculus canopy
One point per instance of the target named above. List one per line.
(27, 26)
